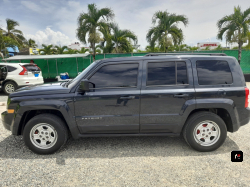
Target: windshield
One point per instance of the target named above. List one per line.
(81, 75)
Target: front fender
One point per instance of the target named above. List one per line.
(58, 105)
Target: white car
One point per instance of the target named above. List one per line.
(15, 75)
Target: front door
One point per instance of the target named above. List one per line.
(166, 87)
(112, 105)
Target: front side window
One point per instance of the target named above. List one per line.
(167, 73)
(213, 72)
(116, 75)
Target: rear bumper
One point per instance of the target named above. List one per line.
(244, 118)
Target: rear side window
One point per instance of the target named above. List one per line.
(213, 72)
(117, 75)
(167, 73)
(10, 68)
(31, 68)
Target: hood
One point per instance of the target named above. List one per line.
(45, 89)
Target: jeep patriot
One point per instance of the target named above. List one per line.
(201, 97)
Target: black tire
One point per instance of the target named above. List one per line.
(193, 121)
(6, 88)
(59, 127)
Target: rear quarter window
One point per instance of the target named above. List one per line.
(10, 68)
(213, 72)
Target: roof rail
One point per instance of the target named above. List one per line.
(210, 54)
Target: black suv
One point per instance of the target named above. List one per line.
(199, 96)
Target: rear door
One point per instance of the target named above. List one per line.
(166, 87)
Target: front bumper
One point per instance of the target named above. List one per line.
(7, 120)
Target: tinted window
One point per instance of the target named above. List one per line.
(118, 75)
(181, 73)
(31, 67)
(212, 72)
(161, 73)
(10, 68)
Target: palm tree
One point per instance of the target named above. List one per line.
(5, 42)
(106, 45)
(71, 51)
(60, 49)
(90, 23)
(47, 49)
(166, 25)
(153, 48)
(83, 50)
(14, 33)
(31, 43)
(237, 25)
(121, 38)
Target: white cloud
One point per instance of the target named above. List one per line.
(48, 36)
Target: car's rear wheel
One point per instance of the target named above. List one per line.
(45, 134)
(205, 131)
(9, 87)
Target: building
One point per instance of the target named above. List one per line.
(75, 46)
(212, 45)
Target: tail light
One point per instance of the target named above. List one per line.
(246, 97)
(24, 71)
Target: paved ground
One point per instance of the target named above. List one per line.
(125, 161)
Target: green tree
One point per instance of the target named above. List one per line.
(248, 38)
(121, 39)
(152, 49)
(31, 43)
(60, 49)
(83, 50)
(107, 46)
(165, 43)
(5, 42)
(218, 48)
(192, 48)
(47, 49)
(166, 25)
(71, 51)
(90, 23)
(236, 24)
(13, 33)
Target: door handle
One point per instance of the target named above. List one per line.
(128, 97)
(181, 95)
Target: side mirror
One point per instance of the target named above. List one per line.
(84, 86)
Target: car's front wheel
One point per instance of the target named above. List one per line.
(205, 131)
(45, 134)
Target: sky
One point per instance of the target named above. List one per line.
(55, 21)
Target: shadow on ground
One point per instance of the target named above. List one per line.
(112, 147)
